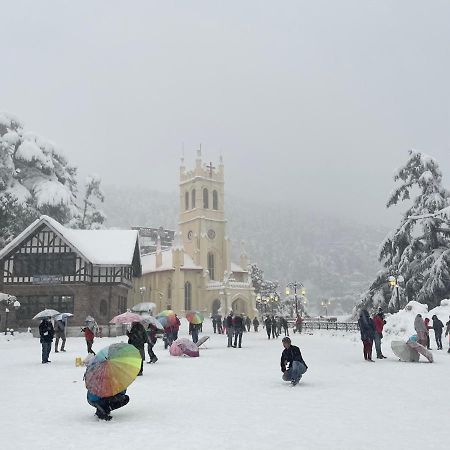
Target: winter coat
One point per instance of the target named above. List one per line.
(248, 321)
(88, 334)
(268, 323)
(238, 323)
(437, 325)
(151, 333)
(419, 325)
(255, 322)
(366, 326)
(284, 323)
(137, 336)
(46, 331)
(177, 325)
(447, 330)
(379, 323)
(229, 322)
(291, 354)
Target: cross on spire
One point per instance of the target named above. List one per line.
(210, 168)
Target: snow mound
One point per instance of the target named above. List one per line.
(402, 322)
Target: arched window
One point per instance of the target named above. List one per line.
(211, 266)
(215, 200)
(103, 308)
(187, 296)
(169, 291)
(205, 198)
(186, 201)
(193, 198)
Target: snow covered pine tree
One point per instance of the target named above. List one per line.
(419, 247)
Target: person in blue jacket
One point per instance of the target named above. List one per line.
(105, 405)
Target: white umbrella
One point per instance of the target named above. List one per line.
(46, 313)
(404, 352)
(147, 320)
(63, 316)
(143, 307)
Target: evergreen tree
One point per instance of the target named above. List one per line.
(418, 249)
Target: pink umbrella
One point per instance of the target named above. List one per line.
(187, 347)
(175, 350)
(126, 317)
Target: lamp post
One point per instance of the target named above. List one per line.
(274, 299)
(10, 301)
(295, 285)
(142, 290)
(326, 304)
(395, 282)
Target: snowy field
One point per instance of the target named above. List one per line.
(230, 399)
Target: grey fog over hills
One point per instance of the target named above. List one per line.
(335, 259)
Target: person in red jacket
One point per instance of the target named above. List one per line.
(89, 336)
(379, 322)
(427, 326)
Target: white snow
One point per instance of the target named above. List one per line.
(52, 192)
(29, 151)
(149, 262)
(229, 399)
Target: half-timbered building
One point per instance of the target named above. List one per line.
(83, 272)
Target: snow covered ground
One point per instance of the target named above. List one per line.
(230, 399)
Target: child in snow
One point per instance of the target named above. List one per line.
(105, 405)
(89, 336)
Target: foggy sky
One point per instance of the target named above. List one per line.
(312, 103)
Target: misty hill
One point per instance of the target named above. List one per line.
(331, 256)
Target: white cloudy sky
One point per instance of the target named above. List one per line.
(312, 102)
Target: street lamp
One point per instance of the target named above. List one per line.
(142, 290)
(395, 283)
(326, 304)
(274, 298)
(294, 285)
(10, 301)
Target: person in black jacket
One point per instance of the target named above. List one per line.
(46, 333)
(229, 327)
(274, 328)
(268, 323)
(138, 337)
(238, 325)
(437, 327)
(285, 325)
(255, 324)
(367, 330)
(293, 356)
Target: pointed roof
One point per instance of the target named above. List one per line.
(99, 247)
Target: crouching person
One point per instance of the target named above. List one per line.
(105, 405)
(297, 367)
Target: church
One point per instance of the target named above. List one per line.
(196, 272)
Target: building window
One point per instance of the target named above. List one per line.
(186, 201)
(215, 200)
(205, 198)
(193, 198)
(187, 296)
(31, 305)
(169, 291)
(122, 306)
(103, 308)
(211, 266)
(29, 264)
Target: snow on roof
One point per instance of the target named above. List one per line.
(236, 268)
(100, 247)
(149, 262)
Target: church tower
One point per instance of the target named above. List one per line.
(202, 222)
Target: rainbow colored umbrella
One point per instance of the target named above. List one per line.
(167, 318)
(194, 317)
(126, 317)
(112, 369)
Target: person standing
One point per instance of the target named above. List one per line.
(214, 323)
(367, 330)
(219, 324)
(137, 336)
(428, 327)
(255, 324)
(268, 324)
(176, 328)
(152, 338)
(248, 323)
(239, 326)
(421, 330)
(437, 327)
(60, 333)
(285, 325)
(293, 356)
(274, 328)
(193, 331)
(447, 333)
(46, 333)
(229, 327)
(379, 322)
(299, 324)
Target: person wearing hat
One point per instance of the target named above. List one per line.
(46, 333)
(293, 356)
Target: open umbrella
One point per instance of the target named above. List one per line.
(126, 317)
(194, 317)
(146, 320)
(113, 369)
(167, 318)
(404, 352)
(46, 313)
(63, 316)
(143, 307)
(186, 346)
